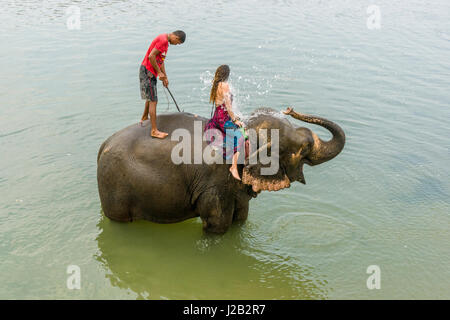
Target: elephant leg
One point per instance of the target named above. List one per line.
(216, 216)
(241, 211)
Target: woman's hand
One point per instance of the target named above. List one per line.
(238, 123)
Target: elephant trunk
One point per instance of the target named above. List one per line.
(322, 150)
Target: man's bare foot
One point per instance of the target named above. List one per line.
(159, 134)
(235, 172)
(141, 122)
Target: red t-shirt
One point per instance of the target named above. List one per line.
(161, 44)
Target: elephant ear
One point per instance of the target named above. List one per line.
(251, 175)
(261, 159)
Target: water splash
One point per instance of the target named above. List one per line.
(243, 89)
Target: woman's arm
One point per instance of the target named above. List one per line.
(225, 89)
(228, 105)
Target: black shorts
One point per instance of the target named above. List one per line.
(148, 84)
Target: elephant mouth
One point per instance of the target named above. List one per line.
(262, 183)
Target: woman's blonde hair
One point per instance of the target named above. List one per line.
(221, 75)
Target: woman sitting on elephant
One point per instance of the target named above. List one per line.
(229, 125)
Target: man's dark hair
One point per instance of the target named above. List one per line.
(180, 34)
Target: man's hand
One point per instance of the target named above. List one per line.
(161, 76)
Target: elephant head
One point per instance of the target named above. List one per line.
(297, 146)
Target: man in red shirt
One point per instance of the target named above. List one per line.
(153, 67)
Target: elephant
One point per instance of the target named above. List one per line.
(137, 178)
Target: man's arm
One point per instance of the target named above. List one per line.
(152, 58)
(163, 69)
(166, 80)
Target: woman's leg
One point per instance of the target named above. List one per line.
(233, 168)
(247, 149)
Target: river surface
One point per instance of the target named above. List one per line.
(384, 201)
